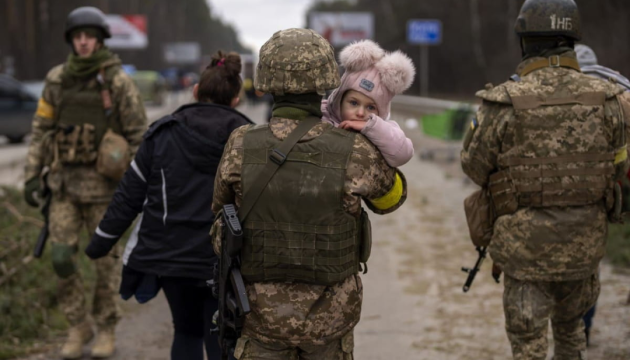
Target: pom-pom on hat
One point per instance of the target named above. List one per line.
(374, 73)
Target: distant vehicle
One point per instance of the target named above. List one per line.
(152, 86)
(18, 103)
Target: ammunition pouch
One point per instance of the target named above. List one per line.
(75, 144)
(365, 238)
(480, 215)
(113, 156)
(566, 180)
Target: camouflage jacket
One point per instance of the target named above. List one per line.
(298, 313)
(83, 183)
(557, 243)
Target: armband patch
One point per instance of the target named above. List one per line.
(44, 109)
(474, 124)
(621, 155)
(392, 197)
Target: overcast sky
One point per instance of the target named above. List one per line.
(256, 20)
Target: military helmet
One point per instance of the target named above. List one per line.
(296, 61)
(86, 16)
(585, 55)
(549, 18)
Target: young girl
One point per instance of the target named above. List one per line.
(363, 101)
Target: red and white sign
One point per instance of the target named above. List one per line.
(342, 28)
(128, 32)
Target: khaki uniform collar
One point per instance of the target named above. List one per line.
(281, 128)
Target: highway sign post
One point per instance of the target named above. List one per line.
(424, 32)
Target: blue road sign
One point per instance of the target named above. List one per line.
(424, 32)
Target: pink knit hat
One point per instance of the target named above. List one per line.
(374, 73)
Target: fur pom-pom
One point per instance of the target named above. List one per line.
(361, 55)
(397, 71)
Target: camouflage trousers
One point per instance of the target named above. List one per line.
(252, 349)
(530, 305)
(67, 219)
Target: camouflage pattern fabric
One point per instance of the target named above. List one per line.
(296, 61)
(546, 243)
(297, 314)
(530, 305)
(67, 219)
(251, 349)
(82, 183)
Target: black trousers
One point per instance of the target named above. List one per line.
(192, 306)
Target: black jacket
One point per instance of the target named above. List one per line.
(170, 184)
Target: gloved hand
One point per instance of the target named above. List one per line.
(32, 187)
(97, 248)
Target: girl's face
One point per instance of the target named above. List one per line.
(356, 106)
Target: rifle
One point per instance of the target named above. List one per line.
(46, 194)
(482, 250)
(228, 285)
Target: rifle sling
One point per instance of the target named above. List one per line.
(276, 159)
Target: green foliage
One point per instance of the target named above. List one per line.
(29, 315)
(618, 248)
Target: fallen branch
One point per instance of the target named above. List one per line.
(25, 261)
(21, 218)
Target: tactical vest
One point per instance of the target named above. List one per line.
(81, 119)
(298, 230)
(561, 152)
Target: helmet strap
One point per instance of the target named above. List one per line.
(533, 46)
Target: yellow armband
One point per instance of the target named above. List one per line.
(621, 155)
(44, 109)
(392, 197)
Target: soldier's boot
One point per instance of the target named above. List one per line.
(104, 345)
(78, 336)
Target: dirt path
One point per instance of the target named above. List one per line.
(414, 307)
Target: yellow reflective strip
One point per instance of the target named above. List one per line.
(621, 155)
(44, 109)
(392, 197)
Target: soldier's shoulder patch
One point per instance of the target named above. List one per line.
(55, 74)
(497, 94)
(44, 109)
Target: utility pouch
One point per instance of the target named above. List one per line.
(365, 239)
(480, 216)
(113, 156)
(614, 214)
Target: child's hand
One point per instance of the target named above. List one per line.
(356, 125)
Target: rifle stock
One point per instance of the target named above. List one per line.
(231, 292)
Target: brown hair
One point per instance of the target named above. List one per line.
(221, 80)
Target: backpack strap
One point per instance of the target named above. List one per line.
(277, 157)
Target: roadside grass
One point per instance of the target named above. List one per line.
(29, 315)
(618, 248)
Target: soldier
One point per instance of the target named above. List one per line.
(301, 251)
(548, 145)
(89, 123)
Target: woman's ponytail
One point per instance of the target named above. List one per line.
(221, 80)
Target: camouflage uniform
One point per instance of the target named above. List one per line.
(81, 194)
(315, 318)
(549, 254)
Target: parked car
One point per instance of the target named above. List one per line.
(18, 103)
(152, 86)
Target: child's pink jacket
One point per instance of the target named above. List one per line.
(386, 135)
